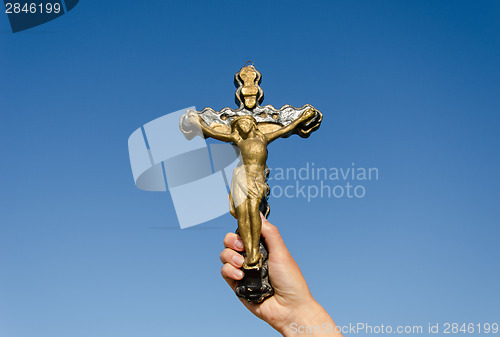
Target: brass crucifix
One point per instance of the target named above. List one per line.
(251, 128)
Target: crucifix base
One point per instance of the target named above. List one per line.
(255, 286)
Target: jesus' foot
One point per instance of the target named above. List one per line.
(254, 262)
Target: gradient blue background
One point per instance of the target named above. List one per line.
(409, 87)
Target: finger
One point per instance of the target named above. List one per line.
(234, 241)
(231, 274)
(273, 238)
(230, 256)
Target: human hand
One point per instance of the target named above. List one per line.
(292, 304)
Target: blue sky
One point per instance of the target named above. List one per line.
(408, 87)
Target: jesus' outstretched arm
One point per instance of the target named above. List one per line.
(196, 121)
(306, 116)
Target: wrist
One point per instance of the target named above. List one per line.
(311, 319)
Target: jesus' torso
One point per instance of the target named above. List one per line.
(254, 154)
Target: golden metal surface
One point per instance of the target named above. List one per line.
(250, 90)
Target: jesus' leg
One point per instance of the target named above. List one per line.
(244, 229)
(255, 225)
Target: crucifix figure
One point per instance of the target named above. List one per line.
(251, 128)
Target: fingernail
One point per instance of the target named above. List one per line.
(238, 260)
(262, 217)
(238, 273)
(239, 244)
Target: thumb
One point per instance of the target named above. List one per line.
(273, 238)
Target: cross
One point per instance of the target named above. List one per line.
(251, 127)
